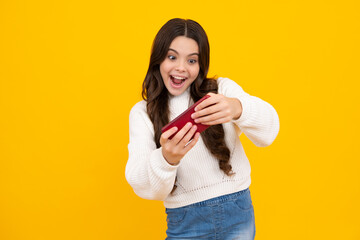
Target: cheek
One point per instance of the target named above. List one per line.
(195, 71)
(165, 67)
(162, 69)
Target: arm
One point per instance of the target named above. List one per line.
(255, 117)
(151, 171)
(148, 173)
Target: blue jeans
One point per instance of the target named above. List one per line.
(226, 217)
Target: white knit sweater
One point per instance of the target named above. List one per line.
(198, 174)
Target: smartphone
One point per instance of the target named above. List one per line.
(184, 118)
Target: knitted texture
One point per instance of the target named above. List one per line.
(198, 176)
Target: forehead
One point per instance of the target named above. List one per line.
(184, 45)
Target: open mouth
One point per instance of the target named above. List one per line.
(177, 81)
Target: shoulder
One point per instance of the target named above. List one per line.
(139, 106)
(226, 85)
(139, 119)
(138, 109)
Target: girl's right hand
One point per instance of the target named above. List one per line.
(175, 149)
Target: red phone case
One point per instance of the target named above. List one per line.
(184, 118)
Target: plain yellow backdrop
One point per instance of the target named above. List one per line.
(70, 71)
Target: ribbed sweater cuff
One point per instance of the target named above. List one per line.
(160, 165)
(247, 109)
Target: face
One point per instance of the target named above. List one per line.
(181, 65)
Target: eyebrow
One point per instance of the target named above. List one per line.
(170, 49)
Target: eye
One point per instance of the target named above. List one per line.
(192, 61)
(171, 57)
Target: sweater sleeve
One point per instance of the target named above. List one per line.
(259, 121)
(148, 173)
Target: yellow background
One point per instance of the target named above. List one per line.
(70, 71)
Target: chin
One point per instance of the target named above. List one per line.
(176, 93)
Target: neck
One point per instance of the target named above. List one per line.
(183, 95)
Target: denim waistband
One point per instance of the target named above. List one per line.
(218, 200)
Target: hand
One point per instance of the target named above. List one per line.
(175, 149)
(217, 109)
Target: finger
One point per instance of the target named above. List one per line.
(217, 121)
(207, 102)
(180, 134)
(188, 135)
(211, 117)
(207, 111)
(165, 136)
(192, 143)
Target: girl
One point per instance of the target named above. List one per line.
(204, 183)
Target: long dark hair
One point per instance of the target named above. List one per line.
(157, 96)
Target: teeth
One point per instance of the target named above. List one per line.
(180, 78)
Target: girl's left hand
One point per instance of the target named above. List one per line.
(217, 109)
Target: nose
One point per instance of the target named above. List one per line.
(180, 67)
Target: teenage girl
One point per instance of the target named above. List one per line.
(205, 183)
